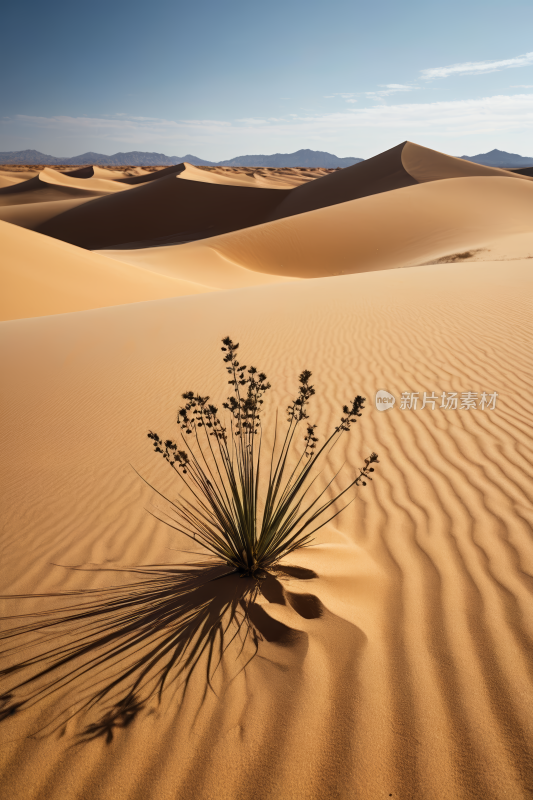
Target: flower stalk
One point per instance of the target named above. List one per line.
(222, 466)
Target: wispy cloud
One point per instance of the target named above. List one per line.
(344, 95)
(390, 88)
(127, 129)
(477, 67)
(385, 90)
(445, 118)
(397, 87)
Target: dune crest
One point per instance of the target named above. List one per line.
(41, 276)
(50, 185)
(425, 165)
(185, 209)
(230, 228)
(434, 220)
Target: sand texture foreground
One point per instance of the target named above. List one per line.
(402, 666)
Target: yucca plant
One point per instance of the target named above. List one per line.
(248, 509)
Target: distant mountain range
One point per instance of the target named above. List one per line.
(499, 158)
(133, 159)
(302, 158)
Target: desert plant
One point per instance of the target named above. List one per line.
(118, 647)
(247, 521)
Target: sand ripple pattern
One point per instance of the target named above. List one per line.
(413, 676)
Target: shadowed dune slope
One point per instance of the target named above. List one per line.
(33, 204)
(31, 215)
(394, 229)
(8, 180)
(186, 209)
(41, 276)
(403, 165)
(528, 171)
(185, 203)
(11, 176)
(36, 190)
(382, 173)
(404, 669)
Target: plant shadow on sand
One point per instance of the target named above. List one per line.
(117, 649)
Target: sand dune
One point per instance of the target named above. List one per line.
(8, 180)
(527, 171)
(98, 181)
(50, 185)
(413, 678)
(34, 204)
(400, 664)
(210, 202)
(260, 178)
(205, 265)
(430, 165)
(183, 208)
(41, 276)
(8, 177)
(442, 219)
(31, 215)
(104, 174)
(404, 165)
(148, 177)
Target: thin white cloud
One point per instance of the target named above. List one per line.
(388, 89)
(445, 118)
(252, 120)
(477, 67)
(344, 95)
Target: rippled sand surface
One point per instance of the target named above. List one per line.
(400, 664)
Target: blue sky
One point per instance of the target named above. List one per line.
(224, 79)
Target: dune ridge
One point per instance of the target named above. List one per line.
(411, 206)
(437, 219)
(211, 204)
(42, 276)
(50, 185)
(415, 680)
(168, 205)
(31, 215)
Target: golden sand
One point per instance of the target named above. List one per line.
(413, 679)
